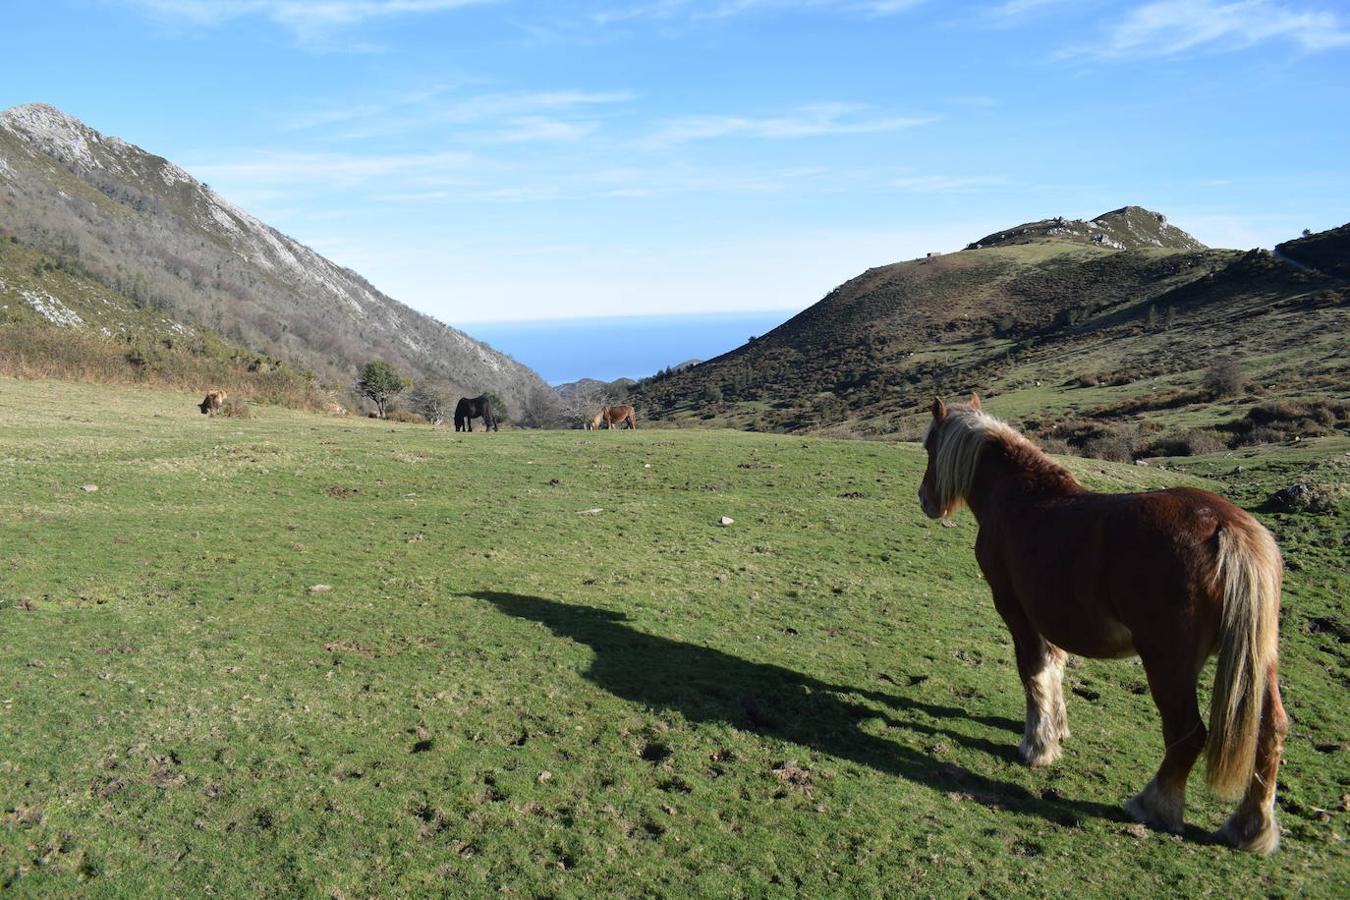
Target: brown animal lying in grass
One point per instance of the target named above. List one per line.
(213, 402)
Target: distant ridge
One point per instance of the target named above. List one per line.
(144, 227)
(1127, 228)
(1327, 251)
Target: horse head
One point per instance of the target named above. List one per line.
(933, 490)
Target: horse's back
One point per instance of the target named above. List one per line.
(1087, 565)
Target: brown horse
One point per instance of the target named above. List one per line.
(611, 416)
(213, 401)
(1172, 576)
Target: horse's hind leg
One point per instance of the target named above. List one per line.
(1171, 679)
(1252, 827)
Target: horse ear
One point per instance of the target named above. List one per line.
(975, 401)
(939, 409)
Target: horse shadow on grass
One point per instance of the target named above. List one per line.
(706, 685)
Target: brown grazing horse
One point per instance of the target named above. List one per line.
(1173, 576)
(611, 416)
(213, 401)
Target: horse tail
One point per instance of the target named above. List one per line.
(1249, 568)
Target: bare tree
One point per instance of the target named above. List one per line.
(434, 400)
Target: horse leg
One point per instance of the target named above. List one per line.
(1171, 679)
(1252, 827)
(1041, 667)
(1047, 719)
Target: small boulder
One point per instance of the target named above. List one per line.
(1306, 497)
(725, 521)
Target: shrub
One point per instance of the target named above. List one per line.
(235, 409)
(1280, 420)
(42, 351)
(407, 417)
(1058, 446)
(1187, 443)
(1224, 378)
(1115, 446)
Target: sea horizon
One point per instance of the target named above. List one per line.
(607, 348)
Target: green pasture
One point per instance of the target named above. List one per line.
(307, 656)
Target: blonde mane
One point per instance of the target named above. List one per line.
(959, 438)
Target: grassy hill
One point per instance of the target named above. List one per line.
(1079, 340)
(298, 655)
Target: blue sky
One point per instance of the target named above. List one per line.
(486, 160)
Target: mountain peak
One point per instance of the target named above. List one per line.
(37, 111)
(54, 132)
(1127, 228)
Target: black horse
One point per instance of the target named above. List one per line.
(476, 408)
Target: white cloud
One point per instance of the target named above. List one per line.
(329, 169)
(540, 129)
(721, 9)
(808, 121)
(614, 183)
(309, 19)
(1016, 13)
(1176, 27)
(522, 116)
(945, 184)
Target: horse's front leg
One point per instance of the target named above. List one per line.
(1040, 664)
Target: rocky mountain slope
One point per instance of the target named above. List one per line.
(1127, 228)
(1072, 337)
(147, 230)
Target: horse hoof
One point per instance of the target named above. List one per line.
(1140, 808)
(1037, 757)
(1259, 835)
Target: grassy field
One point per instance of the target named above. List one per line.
(300, 655)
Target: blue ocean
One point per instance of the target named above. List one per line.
(563, 350)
